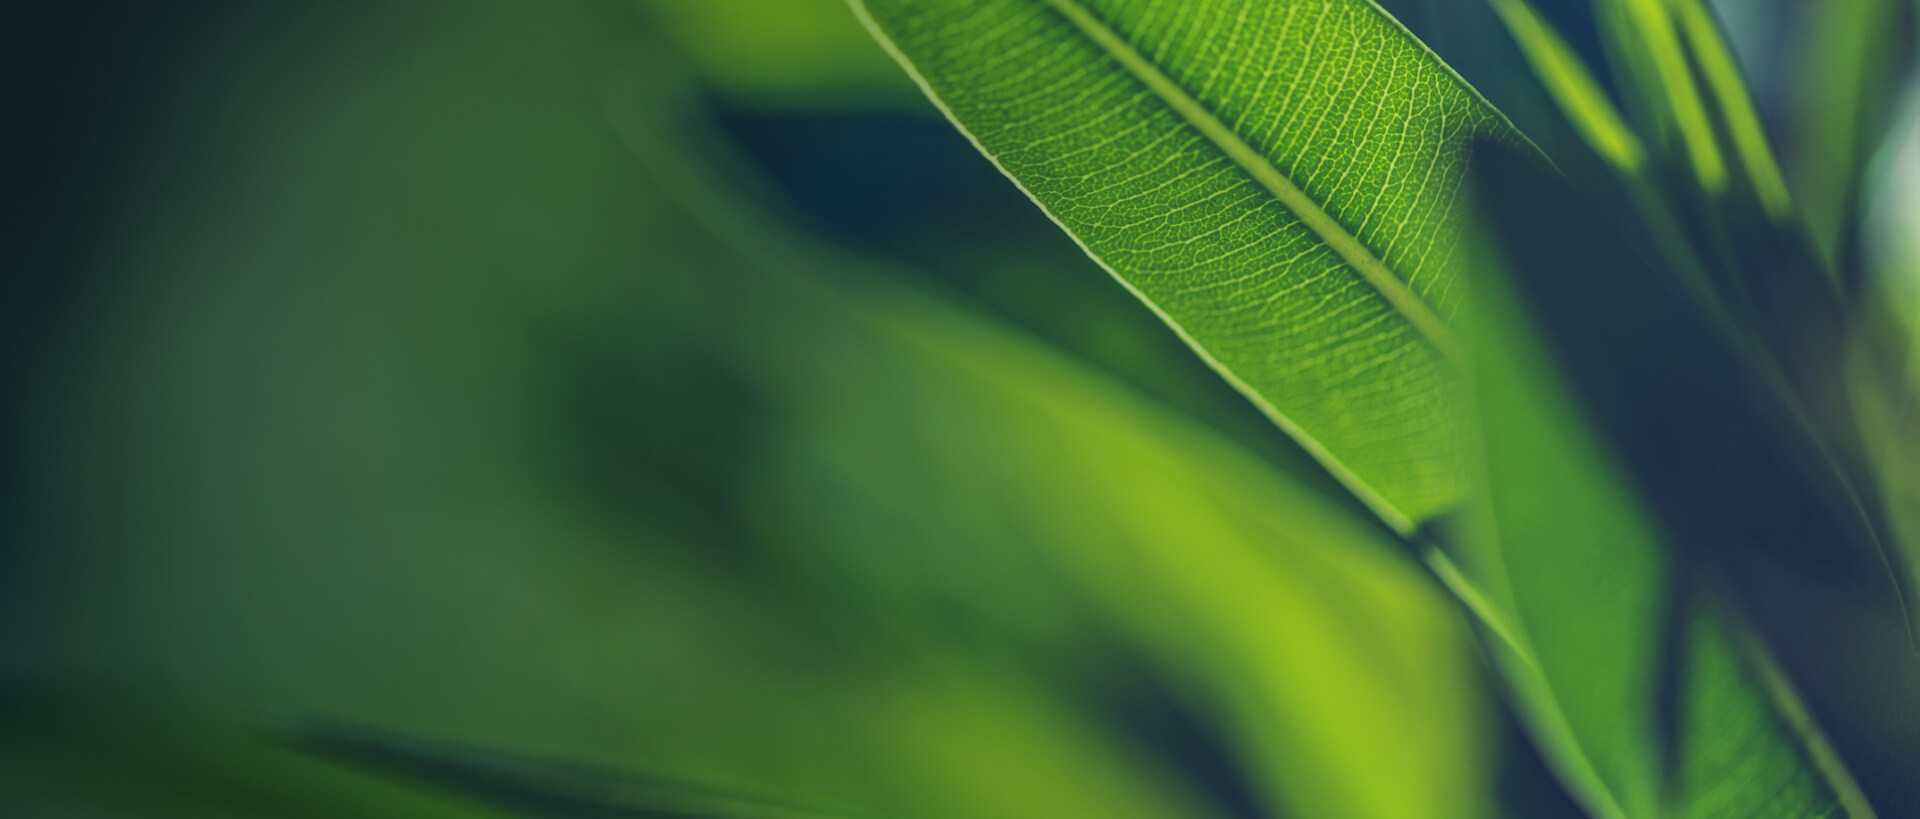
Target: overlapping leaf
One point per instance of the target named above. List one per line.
(1209, 156)
(1644, 690)
(656, 491)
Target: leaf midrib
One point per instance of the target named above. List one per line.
(1357, 255)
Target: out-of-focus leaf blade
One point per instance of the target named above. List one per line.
(1219, 568)
(1274, 178)
(536, 787)
(1592, 566)
(1855, 56)
(533, 455)
(71, 750)
(1722, 76)
(1584, 584)
(467, 465)
(1883, 362)
(1246, 575)
(781, 54)
(1572, 86)
(1642, 33)
(1789, 319)
(1744, 742)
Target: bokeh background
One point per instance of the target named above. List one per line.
(495, 408)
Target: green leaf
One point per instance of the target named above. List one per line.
(585, 462)
(1275, 179)
(537, 787)
(1572, 86)
(1228, 575)
(1755, 279)
(1722, 76)
(1643, 34)
(498, 483)
(1637, 689)
(1850, 80)
(1004, 464)
(1583, 577)
(75, 749)
(1745, 744)
(1883, 383)
(781, 54)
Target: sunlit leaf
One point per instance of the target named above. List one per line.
(1275, 179)
(1643, 34)
(666, 487)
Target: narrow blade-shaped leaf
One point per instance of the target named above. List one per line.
(1643, 35)
(1275, 179)
(1583, 579)
(1663, 715)
(1572, 85)
(1783, 320)
(1721, 75)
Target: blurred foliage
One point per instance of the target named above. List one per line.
(782, 54)
(1624, 599)
(407, 394)
(651, 408)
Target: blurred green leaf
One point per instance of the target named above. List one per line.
(1220, 161)
(1856, 57)
(1882, 377)
(77, 749)
(1227, 574)
(1583, 578)
(1721, 75)
(1643, 34)
(372, 486)
(1753, 279)
(1572, 86)
(1639, 694)
(535, 443)
(781, 54)
(537, 787)
(1743, 741)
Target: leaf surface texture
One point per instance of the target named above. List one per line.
(1276, 179)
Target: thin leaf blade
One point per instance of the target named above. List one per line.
(1720, 73)
(1644, 32)
(1572, 85)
